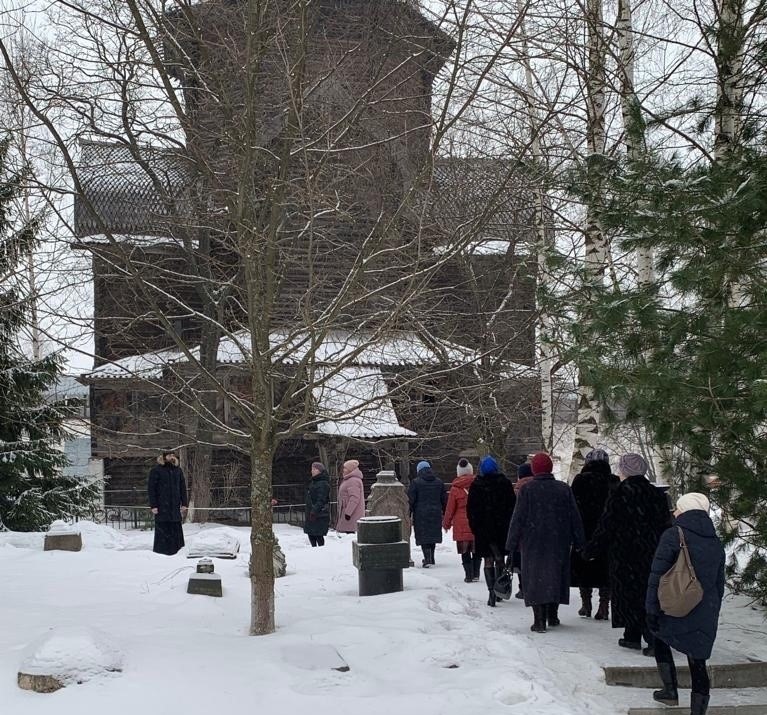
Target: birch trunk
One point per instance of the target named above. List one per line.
(729, 100)
(587, 425)
(633, 126)
(729, 65)
(543, 236)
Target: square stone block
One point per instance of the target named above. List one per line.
(63, 542)
(372, 557)
(205, 584)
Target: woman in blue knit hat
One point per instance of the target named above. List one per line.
(427, 505)
(489, 508)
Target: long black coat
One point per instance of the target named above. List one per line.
(591, 488)
(545, 525)
(489, 507)
(635, 516)
(167, 492)
(317, 513)
(428, 499)
(695, 633)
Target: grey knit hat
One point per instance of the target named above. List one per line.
(464, 468)
(632, 465)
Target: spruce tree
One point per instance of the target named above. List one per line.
(33, 490)
(686, 357)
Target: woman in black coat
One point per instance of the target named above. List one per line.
(591, 488)
(545, 525)
(428, 499)
(317, 511)
(168, 502)
(489, 508)
(635, 516)
(695, 633)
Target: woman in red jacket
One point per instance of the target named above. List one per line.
(455, 517)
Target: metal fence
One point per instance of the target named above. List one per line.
(140, 517)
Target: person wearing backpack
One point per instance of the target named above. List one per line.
(692, 634)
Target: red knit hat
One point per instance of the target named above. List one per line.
(541, 463)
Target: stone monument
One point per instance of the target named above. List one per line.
(388, 497)
(380, 554)
(62, 537)
(205, 582)
(68, 655)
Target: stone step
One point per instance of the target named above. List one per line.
(732, 675)
(712, 710)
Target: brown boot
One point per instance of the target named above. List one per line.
(603, 612)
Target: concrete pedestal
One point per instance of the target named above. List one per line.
(205, 582)
(62, 537)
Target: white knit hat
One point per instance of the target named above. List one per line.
(464, 468)
(691, 501)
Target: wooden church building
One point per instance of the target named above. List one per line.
(328, 126)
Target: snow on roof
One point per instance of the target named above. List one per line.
(338, 347)
(148, 366)
(355, 403)
(132, 239)
(482, 247)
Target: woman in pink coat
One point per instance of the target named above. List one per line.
(351, 498)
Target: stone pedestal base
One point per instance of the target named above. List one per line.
(63, 542)
(380, 555)
(39, 683)
(205, 584)
(374, 583)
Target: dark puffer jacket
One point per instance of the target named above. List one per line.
(695, 633)
(317, 519)
(428, 499)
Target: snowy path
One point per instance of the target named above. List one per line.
(191, 654)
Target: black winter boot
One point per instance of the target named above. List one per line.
(698, 704)
(477, 563)
(426, 561)
(552, 614)
(668, 695)
(432, 548)
(539, 619)
(585, 609)
(468, 568)
(490, 581)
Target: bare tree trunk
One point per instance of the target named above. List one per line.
(729, 99)
(587, 425)
(633, 126)
(544, 240)
(729, 64)
(261, 541)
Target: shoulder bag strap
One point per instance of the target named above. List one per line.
(686, 552)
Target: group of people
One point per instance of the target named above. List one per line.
(351, 501)
(609, 533)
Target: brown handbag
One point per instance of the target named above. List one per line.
(679, 590)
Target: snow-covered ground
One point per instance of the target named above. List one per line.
(435, 649)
